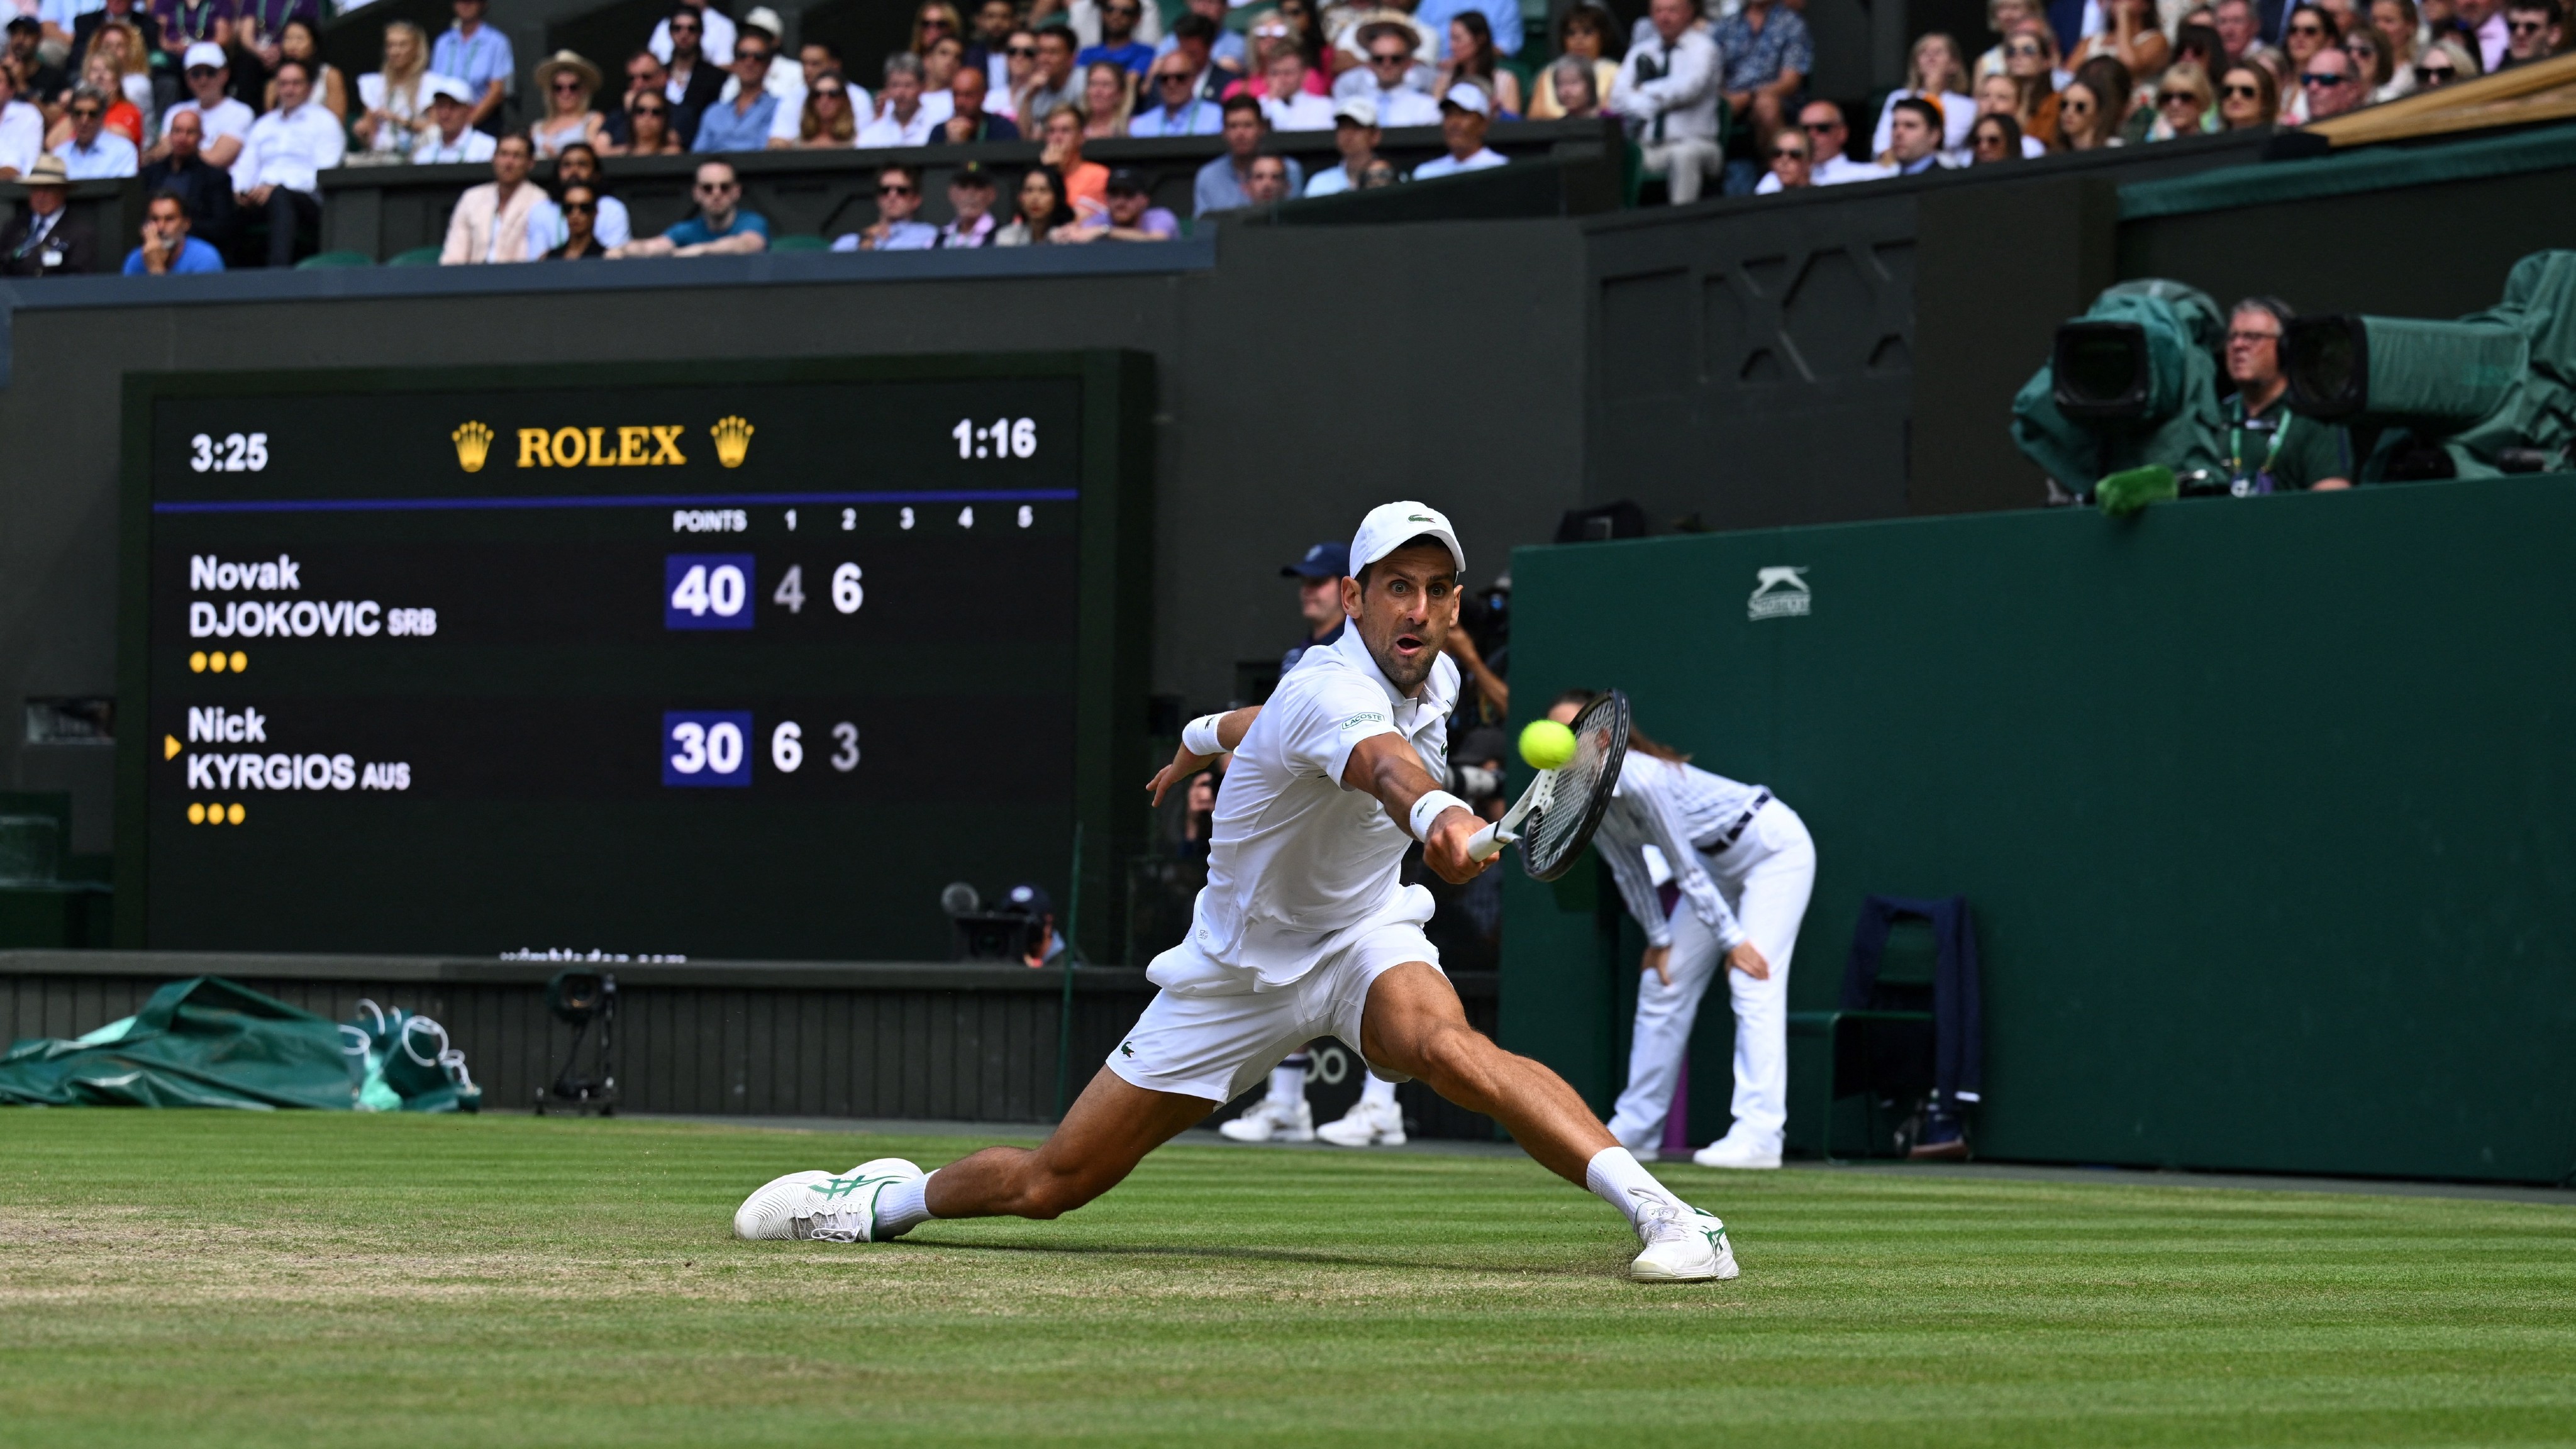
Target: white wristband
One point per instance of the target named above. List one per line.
(1199, 736)
(1428, 808)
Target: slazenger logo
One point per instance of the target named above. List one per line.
(1364, 717)
(1778, 593)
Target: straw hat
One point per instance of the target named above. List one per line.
(48, 171)
(565, 60)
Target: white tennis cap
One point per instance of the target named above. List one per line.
(1390, 526)
(1468, 98)
(204, 53)
(1359, 110)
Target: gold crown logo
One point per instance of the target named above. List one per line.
(473, 443)
(733, 439)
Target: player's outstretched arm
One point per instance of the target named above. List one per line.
(1385, 766)
(1230, 730)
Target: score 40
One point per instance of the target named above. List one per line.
(713, 590)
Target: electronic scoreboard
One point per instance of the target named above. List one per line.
(732, 659)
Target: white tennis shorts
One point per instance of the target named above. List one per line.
(1218, 1046)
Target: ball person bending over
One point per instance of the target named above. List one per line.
(1304, 930)
(1745, 867)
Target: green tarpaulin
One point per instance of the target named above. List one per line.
(201, 1042)
(208, 1042)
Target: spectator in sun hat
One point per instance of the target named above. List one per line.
(1465, 114)
(567, 83)
(1355, 132)
(46, 240)
(1387, 49)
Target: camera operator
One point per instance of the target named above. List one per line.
(2268, 448)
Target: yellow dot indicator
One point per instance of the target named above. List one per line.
(216, 661)
(196, 813)
(241, 661)
(197, 662)
(233, 813)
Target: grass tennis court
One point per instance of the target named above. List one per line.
(219, 1278)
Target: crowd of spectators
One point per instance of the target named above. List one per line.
(226, 109)
(2081, 77)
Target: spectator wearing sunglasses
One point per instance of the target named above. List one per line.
(1013, 70)
(2444, 62)
(93, 151)
(1996, 136)
(1769, 54)
(720, 228)
(692, 81)
(1176, 107)
(579, 209)
(1792, 163)
(2185, 104)
(743, 123)
(2247, 98)
(2534, 30)
(898, 227)
(1386, 73)
(226, 122)
(815, 61)
(2332, 85)
(2306, 30)
(645, 78)
(711, 28)
(580, 165)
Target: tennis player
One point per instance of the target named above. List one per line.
(1304, 930)
(1745, 866)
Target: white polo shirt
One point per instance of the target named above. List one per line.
(1296, 857)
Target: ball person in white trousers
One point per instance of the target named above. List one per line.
(1745, 866)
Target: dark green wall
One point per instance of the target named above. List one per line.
(2264, 807)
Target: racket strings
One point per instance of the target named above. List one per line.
(1558, 830)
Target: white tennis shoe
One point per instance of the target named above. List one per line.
(1367, 1124)
(1270, 1121)
(819, 1205)
(1742, 1153)
(1683, 1245)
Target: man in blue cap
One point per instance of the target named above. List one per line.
(1319, 597)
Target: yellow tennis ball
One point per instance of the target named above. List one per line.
(1546, 744)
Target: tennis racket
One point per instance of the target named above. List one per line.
(1557, 814)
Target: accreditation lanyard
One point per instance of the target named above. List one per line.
(2260, 481)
